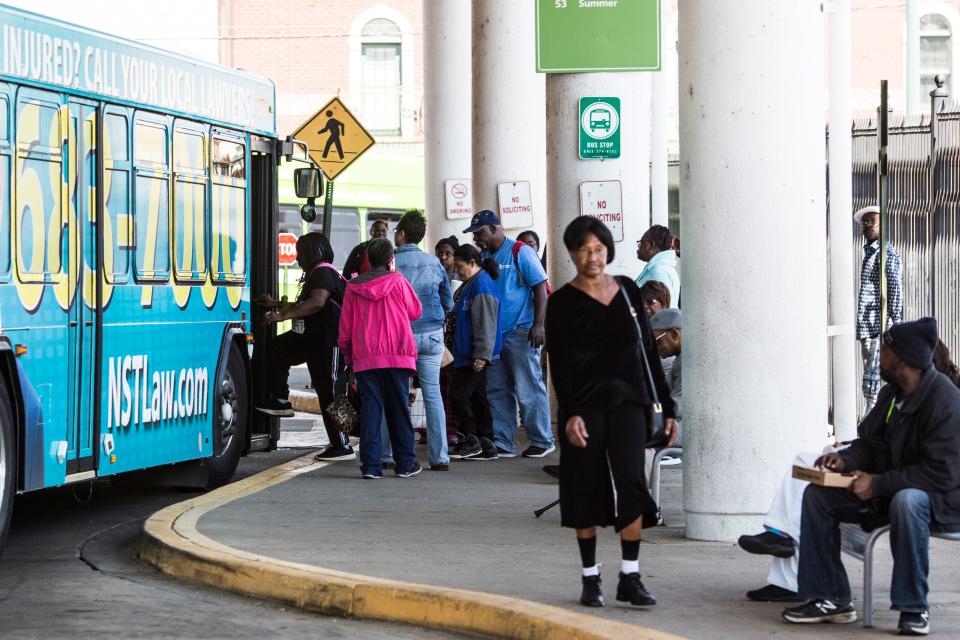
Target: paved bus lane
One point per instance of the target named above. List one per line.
(69, 571)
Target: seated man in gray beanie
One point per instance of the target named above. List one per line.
(668, 332)
(906, 468)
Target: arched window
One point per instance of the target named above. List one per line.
(381, 76)
(936, 54)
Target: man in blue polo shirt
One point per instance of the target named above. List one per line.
(523, 308)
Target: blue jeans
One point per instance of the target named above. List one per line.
(383, 394)
(517, 374)
(821, 573)
(429, 354)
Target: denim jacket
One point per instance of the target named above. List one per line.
(429, 280)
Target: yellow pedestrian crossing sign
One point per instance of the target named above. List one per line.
(334, 137)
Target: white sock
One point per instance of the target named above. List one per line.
(629, 566)
(591, 571)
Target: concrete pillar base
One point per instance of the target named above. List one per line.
(723, 527)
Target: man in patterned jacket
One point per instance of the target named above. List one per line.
(868, 302)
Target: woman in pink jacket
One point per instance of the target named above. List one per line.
(376, 339)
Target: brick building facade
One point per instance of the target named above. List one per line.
(368, 53)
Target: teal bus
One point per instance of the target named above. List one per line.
(138, 218)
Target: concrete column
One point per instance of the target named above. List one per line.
(447, 110)
(754, 279)
(565, 169)
(509, 137)
(842, 311)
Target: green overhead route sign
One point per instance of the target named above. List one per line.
(575, 36)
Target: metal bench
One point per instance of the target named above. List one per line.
(655, 475)
(856, 542)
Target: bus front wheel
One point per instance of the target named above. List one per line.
(230, 422)
(8, 452)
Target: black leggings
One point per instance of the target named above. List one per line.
(468, 397)
(604, 482)
(324, 364)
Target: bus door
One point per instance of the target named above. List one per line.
(79, 180)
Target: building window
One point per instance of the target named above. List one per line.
(936, 55)
(381, 77)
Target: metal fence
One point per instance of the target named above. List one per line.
(925, 230)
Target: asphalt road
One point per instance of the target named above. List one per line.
(69, 571)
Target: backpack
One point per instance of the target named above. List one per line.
(517, 246)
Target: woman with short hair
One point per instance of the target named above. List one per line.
(603, 402)
(444, 252)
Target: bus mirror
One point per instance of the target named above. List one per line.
(307, 182)
(308, 212)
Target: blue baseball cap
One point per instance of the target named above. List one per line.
(482, 219)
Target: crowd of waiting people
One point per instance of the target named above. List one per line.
(468, 324)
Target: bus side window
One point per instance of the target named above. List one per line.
(229, 216)
(189, 212)
(5, 153)
(38, 191)
(117, 223)
(152, 201)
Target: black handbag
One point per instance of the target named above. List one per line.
(656, 431)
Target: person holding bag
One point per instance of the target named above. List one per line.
(312, 339)
(610, 392)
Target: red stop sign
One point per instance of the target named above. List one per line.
(286, 249)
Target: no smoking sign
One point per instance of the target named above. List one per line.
(459, 198)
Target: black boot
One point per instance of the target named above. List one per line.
(591, 595)
(630, 589)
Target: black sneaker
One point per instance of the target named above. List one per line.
(389, 464)
(372, 475)
(414, 471)
(503, 453)
(773, 593)
(467, 448)
(487, 451)
(591, 595)
(820, 610)
(277, 407)
(335, 454)
(538, 452)
(630, 589)
(914, 624)
(767, 543)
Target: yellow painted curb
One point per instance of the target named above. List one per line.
(171, 542)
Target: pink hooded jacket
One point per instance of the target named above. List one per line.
(375, 321)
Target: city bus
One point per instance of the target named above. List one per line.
(138, 217)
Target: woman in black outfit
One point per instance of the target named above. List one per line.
(603, 399)
(311, 339)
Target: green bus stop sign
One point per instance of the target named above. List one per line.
(599, 128)
(575, 36)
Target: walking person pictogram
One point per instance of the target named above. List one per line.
(335, 129)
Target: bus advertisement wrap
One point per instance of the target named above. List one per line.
(34, 48)
(127, 254)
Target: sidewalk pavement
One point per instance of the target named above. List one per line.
(473, 528)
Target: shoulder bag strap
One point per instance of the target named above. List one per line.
(642, 348)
